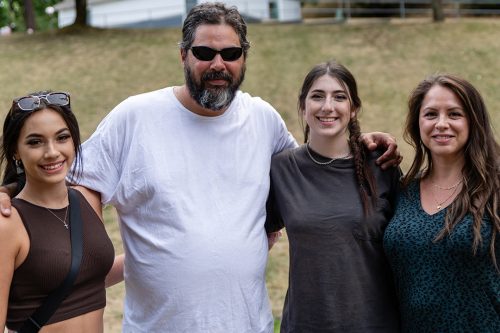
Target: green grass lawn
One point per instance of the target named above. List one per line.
(388, 58)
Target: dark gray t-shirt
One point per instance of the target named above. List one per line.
(339, 278)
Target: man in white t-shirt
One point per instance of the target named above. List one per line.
(187, 169)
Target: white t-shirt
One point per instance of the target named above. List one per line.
(190, 192)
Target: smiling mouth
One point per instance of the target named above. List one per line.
(53, 166)
(326, 119)
(442, 137)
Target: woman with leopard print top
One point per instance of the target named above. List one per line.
(442, 243)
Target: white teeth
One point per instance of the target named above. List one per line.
(52, 167)
(326, 119)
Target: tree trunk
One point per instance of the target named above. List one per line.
(81, 13)
(437, 11)
(29, 16)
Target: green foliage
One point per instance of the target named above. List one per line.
(45, 21)
(12, 14)
(4, 14)
(7, 13)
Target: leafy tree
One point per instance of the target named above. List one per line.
(8, 13)
(4, 15)
(23, 14)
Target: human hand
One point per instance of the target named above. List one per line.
(273, 238)
(5, 204)
(391, 157)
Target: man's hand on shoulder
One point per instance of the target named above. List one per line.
(375, 140)
(5, 196)
(273, 238)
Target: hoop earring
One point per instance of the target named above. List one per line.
(19, 167)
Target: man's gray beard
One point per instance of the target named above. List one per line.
(214, 99)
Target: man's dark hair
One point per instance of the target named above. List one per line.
(213, 13)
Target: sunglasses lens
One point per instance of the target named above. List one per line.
(203, 53)
(58, 99)
(231, 53)
(28, 103)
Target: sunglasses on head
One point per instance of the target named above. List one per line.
(205, 53)
(29, 103)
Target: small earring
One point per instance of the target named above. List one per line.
(19, 167)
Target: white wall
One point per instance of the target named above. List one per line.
(258, 9)
(289, 10)
(66, 17)
(113, 14)
(118, 13)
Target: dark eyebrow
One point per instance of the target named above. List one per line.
(429, 108)
(36, 135)
(335, 91)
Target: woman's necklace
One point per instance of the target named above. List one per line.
(57, 217)
(42, 204)
(439, 205)
(327, 162)
(447, 188)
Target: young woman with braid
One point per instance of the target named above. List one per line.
(443, 241)
(335, 204)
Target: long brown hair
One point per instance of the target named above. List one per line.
(364, 174)
(480, 192)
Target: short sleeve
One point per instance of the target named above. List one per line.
(284, 139)
(101, 156)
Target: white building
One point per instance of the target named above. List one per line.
(163, 13)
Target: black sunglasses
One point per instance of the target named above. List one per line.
(205, 53)
(29, 103)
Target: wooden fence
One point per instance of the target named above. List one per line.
(342, 9)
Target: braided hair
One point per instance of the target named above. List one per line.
(364, 175)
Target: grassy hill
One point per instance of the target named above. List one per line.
(102, 67)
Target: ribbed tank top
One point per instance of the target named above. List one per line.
(49, 259)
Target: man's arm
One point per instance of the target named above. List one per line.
(374, 140)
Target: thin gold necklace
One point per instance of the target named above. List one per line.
(447, 188)
(327, 162)
(439, 205)
(57, 217)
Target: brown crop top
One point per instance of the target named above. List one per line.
(48, 262)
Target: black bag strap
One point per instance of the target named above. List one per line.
(42, 315)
